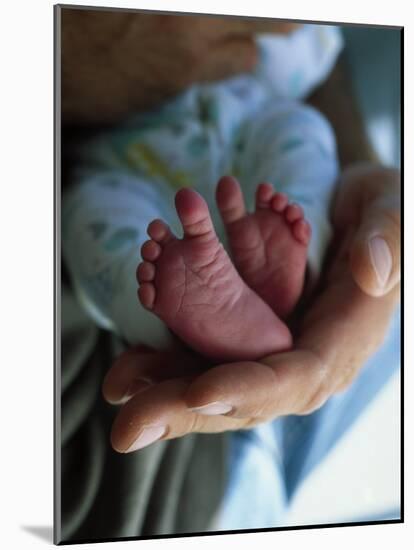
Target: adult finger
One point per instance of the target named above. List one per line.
(219, 27)
(286, 383)
(138, 368)
(161, 413)
(371, 196)
(236, 50)
(375, 249)
(273, 26)
(229, 57)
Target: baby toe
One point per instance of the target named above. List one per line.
(293, 213)
(264, 193)
(194, 214)
(145, 272)
(159, 231)
(229, 198)
(301, 231)
(279, 202)
(146, 295)
(150, 251)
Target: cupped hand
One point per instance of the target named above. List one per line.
(168, 395)
(117, 62)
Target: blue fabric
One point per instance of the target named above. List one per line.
(267, 465)
(374, 58)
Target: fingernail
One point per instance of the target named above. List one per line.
(136, 386)
(381, 259)
(149, 435)
(216, 407)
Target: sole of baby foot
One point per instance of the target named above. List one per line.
(192, 285)
(268, 246)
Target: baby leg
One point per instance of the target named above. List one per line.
(104, 221)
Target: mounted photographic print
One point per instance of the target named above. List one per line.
(227, 274)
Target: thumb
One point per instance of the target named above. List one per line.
(375, 248)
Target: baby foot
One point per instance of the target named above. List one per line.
(192, 285)
(269, 246)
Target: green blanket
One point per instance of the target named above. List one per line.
(170, 487)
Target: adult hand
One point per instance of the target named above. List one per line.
(344, 326)
(115, 62)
